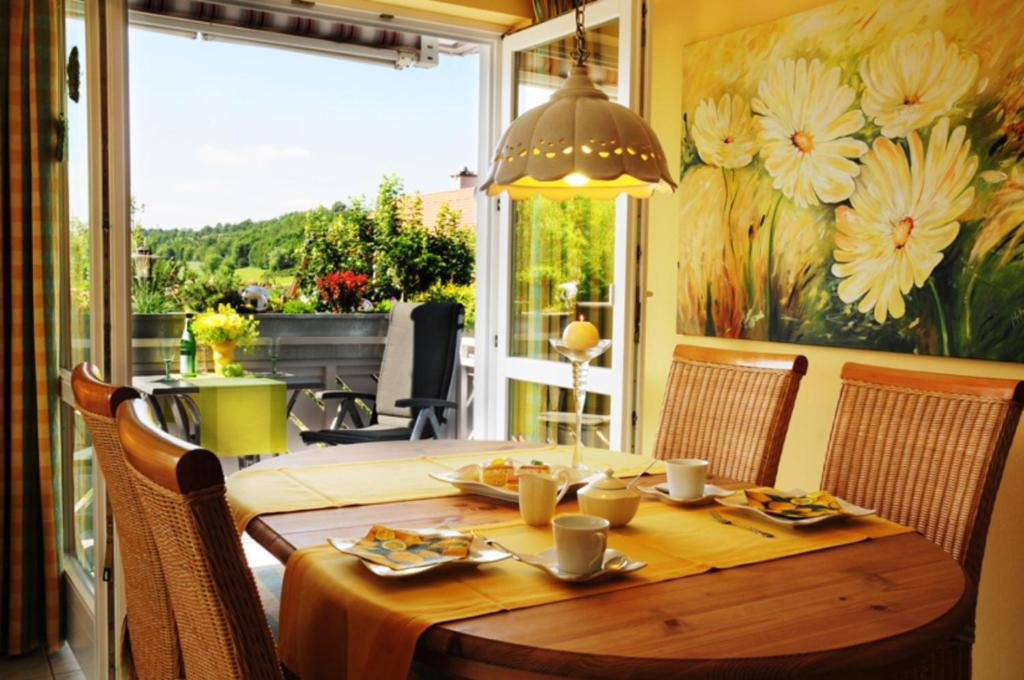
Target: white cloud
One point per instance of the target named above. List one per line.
(259, 156)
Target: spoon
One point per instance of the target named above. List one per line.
(637, 478)
(718, 517)
(617, 563)
(494, 544)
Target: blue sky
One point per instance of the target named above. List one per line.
(222, 132)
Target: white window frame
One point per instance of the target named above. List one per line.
(616, 381)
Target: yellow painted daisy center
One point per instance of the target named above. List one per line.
(803, 141)
(728, 139)
(901, 232)
(911, 99)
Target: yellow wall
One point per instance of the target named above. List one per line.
(999, 652)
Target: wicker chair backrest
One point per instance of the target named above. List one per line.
(731, 408)
(926, 450)
(221, 623)
(155, 652)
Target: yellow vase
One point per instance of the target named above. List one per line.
(223, 354)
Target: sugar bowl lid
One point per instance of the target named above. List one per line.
(608, 486)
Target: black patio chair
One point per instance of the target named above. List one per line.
(420, 358)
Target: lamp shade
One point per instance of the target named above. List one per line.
(579, 143)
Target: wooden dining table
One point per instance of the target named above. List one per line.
(840, 612)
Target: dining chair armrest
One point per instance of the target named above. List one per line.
(345, 394)
(421, 403)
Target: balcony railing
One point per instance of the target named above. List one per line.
(339, 349)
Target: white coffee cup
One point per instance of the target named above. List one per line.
(539, 494)
(580, 542)
(686, 477)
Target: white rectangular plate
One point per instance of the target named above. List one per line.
(738, 500)
(466, 479)
(479, 553)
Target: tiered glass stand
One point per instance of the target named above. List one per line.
(580, 360)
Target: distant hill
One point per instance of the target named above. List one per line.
(265, 244)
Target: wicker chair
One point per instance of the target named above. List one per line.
(153, 639)
(731, 408)
(927, 450)
(223, 629)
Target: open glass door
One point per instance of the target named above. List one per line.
(81, 325)
(93, 319)
(563, 259)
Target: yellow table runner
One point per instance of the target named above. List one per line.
(260, 491)
(242, 416)
(339, 620)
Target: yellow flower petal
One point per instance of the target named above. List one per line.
(914, 80)
(805, 117)
(903, 214)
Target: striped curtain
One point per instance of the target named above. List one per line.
(29, 445)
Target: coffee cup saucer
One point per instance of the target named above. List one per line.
(615, 563)
(660, 491)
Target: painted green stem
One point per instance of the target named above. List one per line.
(769, 311)
(941, 314)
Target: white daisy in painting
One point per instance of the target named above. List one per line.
(725, 135)
(806, 120)
(902, 216)
(1001, 231)
(914, 80)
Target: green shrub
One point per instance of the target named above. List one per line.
(297, 306)
(206, 290)
(450, 292)
(151, 302)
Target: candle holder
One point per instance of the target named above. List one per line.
(580, 359)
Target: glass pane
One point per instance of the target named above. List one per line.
(78, 187)
(80, 476)
(563, 252)
(543, 413)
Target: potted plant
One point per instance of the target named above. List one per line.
(223, 331)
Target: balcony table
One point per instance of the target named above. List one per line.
(180, 390)
(841, 611)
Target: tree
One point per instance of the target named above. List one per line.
(280, 259)
(455, 244)
(387, 224)
(79, 261)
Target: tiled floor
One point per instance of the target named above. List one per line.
(39, 666)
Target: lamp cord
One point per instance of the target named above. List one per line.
(580, 54)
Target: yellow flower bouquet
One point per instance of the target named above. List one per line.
(224, 330)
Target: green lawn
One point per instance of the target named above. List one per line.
(250, 274)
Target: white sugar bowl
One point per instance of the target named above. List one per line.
(611, 498)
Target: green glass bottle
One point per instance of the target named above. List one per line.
(188, 349)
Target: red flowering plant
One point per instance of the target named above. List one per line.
(341, 291)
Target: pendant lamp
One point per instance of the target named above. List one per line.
(579, 143)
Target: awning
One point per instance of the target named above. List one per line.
(290, 29)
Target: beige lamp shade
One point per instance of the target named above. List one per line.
(578, 144)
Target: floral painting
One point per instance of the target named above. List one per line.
(854, 176)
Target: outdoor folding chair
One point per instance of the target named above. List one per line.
(420, 359)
